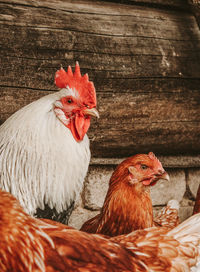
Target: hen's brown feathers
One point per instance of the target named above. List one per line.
(168, 216)
(92, 224)
(82, 251)
(21, 241)
(197, 202)
(162, 250)
(56, 247)
(121, 214)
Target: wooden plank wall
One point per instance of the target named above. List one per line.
(143, 56)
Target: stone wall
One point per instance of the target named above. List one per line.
(183, 185)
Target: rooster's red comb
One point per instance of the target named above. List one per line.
(81, 84)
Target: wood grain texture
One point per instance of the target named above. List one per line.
(144, 61)
(167, 161)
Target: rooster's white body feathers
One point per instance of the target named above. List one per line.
(40, 161)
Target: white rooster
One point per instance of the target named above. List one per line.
(44, 149)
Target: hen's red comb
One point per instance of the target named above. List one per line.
(153, 157)
(83, 86)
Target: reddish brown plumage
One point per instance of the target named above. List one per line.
(161, 249)
(197, 202)
(128, 205)
(34, 245)
(168, 216)
(19, 251)
(30, 244)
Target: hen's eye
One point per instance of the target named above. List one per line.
(143, 166)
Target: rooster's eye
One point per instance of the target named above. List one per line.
(69, 101)
(143, 166)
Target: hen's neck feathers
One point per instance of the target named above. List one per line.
(126, 207)
(40, 160)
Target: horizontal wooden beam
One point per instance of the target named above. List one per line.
(84, 4)
(167, 161)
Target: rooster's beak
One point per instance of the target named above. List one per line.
(92, 112)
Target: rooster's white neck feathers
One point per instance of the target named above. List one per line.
(40, 161)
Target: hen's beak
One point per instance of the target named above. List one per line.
(92, 112)
(164, 176)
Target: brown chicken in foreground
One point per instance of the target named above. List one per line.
(128, 206)
(197, 202)
(30, 244)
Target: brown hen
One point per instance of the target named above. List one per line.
(128, 206)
